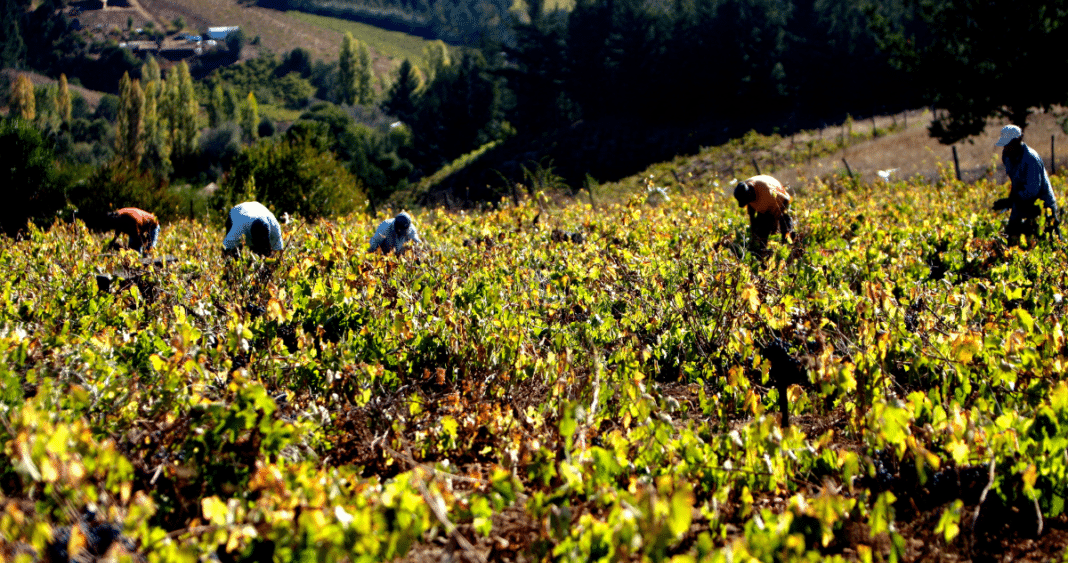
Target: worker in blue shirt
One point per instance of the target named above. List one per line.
(393, 234)
(1030, 185)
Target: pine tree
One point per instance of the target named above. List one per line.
(63, 101)
(346, 72)
(250, 117)
(12, 47)
(364, 77)
(401, 100)
(23, 100)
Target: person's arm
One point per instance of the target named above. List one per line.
(276, 236)
(232, 237)
(153, 237)
(379, 238)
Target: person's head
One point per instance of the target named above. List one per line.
(260, 234)
(401, 223)
(1011, 137)
(744, 193)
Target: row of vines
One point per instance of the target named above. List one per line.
(510, 394)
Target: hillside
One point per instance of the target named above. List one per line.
(908, 151)
(278, 32)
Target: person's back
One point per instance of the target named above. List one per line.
(254, 221)
(392, 234)
(140, 227)
(768, 205)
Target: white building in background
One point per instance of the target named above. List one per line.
(221, 32)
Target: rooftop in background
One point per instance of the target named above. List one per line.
(221, 32)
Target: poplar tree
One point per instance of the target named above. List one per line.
(23, 101)
(436, 56)
(346, 72)
(157, 134)
(231, 105)
(150, 71)
(63, 102)
(129, 126)
(250, 117)
(217, 107)
(364, 77)
(184, 125)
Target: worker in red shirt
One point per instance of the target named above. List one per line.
(140, 227)
(768, 204)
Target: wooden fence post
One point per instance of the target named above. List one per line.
(956, 162)
(850, 171)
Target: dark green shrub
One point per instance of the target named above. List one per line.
(293, 174)
(120, 184)
(34, 188)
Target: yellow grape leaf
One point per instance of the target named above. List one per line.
(1025, 319)
(49, 473)
(966, 346)
(215, 510)
(157, 362)
(959, 450)
(1058, 398)
(1029, 477)
(77, 541)
(752, 296)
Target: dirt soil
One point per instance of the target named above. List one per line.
(913, 152)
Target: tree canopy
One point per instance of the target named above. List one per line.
(977, 59)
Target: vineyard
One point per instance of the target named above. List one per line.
(546, 382)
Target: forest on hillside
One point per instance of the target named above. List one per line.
(564, 98)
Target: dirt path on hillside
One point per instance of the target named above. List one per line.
(135, 5)
(911, 152)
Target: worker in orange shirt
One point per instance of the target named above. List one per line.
(768, 204)
(140, 227)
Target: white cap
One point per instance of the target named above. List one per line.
(1008, 133)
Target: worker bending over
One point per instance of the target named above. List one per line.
(768, 205)
(257, 224)
(140, 227)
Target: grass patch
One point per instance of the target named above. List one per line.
(279, 113)
(393, 44)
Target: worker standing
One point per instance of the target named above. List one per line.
(1030, 185)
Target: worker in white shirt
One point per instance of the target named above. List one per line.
(257, 224)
